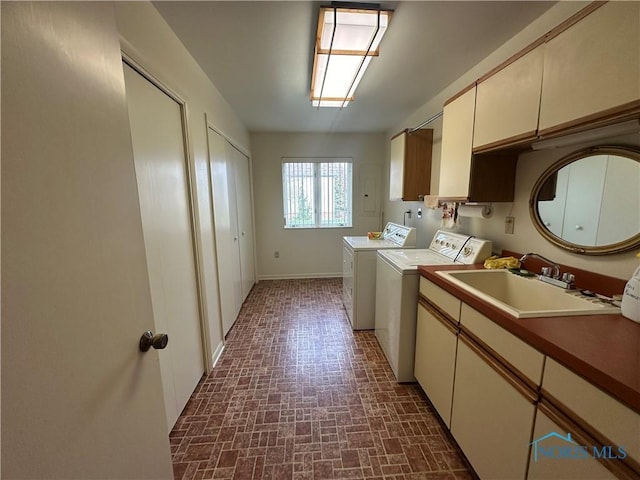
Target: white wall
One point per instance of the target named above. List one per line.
(526, 238)
(530, 166)
(150, 41)
(308, 252)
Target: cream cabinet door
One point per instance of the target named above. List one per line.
(396, 167)
(457, 138)
(592, 66)
(491, 420)
(546, 463)
(612, 419)
(435, 362)
(508, 102)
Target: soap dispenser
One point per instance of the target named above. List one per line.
(631, 297)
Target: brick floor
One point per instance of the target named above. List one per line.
(297, 394)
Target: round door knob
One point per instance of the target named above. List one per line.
(579, 227)
(148, 340)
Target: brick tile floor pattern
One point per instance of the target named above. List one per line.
(297, 394)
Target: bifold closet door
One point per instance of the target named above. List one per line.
(233, 220)
(161, 171)
(226, 249)
(245, 221)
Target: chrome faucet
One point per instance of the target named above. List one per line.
(567, 281)
(545, 272)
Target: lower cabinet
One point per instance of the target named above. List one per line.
(613, 422)
(511, 420)
(492, 415)
(555, 454)
(436, 340)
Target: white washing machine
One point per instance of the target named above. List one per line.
(397, 283)
(359, 271)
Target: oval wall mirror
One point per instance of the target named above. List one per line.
(589, 201)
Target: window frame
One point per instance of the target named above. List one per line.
(317, 163)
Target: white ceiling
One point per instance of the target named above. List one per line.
(259, 56)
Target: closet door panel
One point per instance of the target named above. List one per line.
(245, 222)
(222, 214)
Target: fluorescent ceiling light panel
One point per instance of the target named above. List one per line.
(346, 41)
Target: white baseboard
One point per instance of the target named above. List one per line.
(216, 354)
(298, 276)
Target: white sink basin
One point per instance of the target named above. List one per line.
(524, 297)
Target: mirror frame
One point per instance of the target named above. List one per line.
(631, 243)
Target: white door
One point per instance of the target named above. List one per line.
(552, 211)
(228, 267)
(584, 196)
(79, 400)
(158, 148)
(232, 190)
(245, 221)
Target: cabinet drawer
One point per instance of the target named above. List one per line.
(527, 360)
(617, 422)
(441, 298)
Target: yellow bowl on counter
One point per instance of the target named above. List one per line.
(374, 235)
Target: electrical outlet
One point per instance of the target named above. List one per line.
(508, 224)
(276, 254)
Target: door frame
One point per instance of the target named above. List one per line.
(189, 174)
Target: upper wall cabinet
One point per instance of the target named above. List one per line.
(468, 177)
(582, 74)
(457, 140)
(410, 165)
(508, 101)
(592, 69)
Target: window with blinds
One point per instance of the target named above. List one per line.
(317, 193)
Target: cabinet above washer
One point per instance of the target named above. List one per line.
(410, 165)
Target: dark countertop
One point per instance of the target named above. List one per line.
(603, 349)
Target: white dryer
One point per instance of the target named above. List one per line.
(397, 282)
(359, 271)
